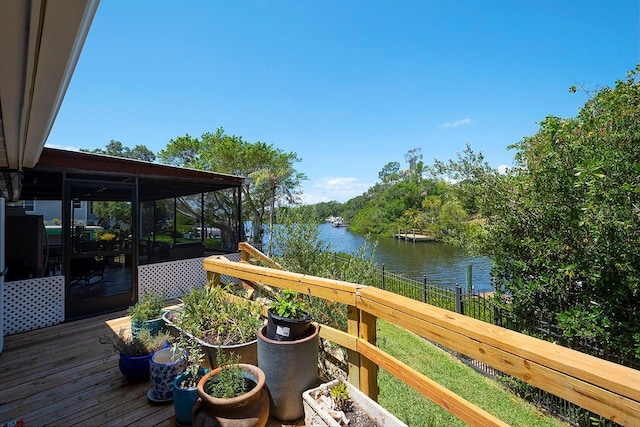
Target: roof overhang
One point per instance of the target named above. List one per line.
(40, 42)
(155, 181)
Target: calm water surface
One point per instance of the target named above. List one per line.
(442, 264)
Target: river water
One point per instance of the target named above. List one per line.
(443, 265)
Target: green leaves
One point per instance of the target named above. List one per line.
(564, 233)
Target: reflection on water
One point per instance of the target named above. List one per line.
(442, 264)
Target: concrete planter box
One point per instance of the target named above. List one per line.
(316, 415)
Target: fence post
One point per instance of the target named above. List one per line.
(424, 288)
(497, 316)
(470, 279)
(383, 277)
(459, 306)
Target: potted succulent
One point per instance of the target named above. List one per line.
(338, 403)
(218, 319)
(136, 353)
(288, 317)
(185, 392)
(232, 394)
(147, 313)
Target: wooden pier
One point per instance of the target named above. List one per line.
(414, 237)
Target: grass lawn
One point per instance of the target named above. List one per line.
(416, 410)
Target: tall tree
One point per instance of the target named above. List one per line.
(271, 172)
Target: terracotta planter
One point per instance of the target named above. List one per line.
(250, 409)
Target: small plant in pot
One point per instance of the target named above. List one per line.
(185, 392)
(338, 403)
(288, 317)
(136, 353)
(147, 313)
(232, 394)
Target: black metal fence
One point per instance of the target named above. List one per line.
(483, 307)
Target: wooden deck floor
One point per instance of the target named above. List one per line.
(64, 376)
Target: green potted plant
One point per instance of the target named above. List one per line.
(164, 366)
(288, 354)
(232, 394)
(147, 313)
(217, 319)
(135, 353)
(288, 317)
(185, 392)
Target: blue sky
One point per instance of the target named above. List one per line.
(347, 85)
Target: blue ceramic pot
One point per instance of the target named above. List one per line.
(164, 367)
(136, 368)
(184, 398)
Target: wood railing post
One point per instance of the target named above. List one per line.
(213, 279)
(244, 255)
(368, 369)
(353, 324)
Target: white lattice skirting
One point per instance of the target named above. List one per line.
(175, 278)
(33, 304)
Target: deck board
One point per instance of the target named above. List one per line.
(64, 376)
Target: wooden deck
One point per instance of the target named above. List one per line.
(63, 376)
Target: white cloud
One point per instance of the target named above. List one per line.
(327, 189)
(503, 169)
(457, 123)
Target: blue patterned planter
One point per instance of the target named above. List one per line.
(164, 368)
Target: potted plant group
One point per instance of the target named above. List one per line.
(338, 403)
(217, 319)
(147, 313)
(288, 354)
(288, 317)
(232, 394)
(135, 353)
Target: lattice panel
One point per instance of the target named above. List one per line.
(33, 304)
(173, 278)
(230, 279)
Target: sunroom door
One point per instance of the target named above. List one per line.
(99, 261)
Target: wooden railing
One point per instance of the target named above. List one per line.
(602, 387)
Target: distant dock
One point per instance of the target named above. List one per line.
(413, 237)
